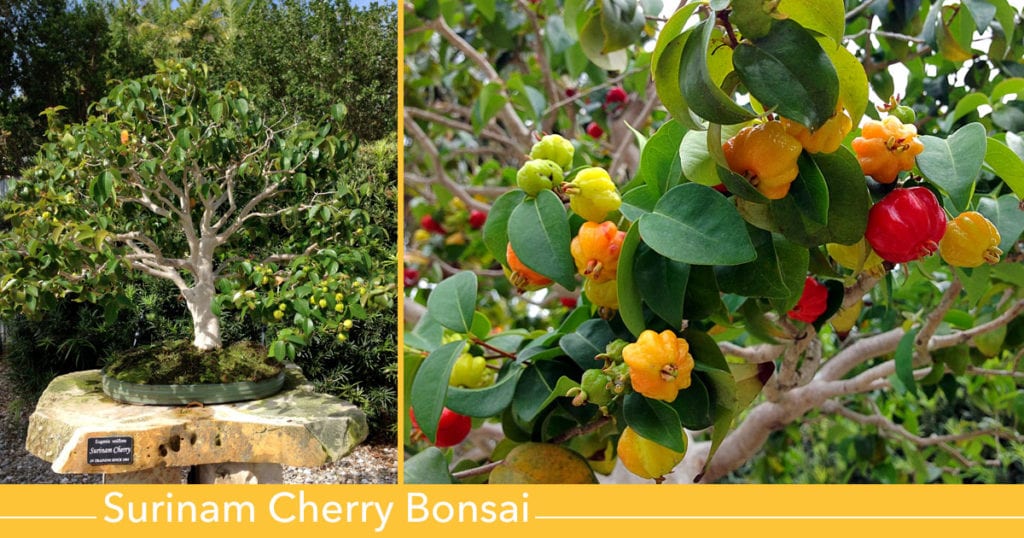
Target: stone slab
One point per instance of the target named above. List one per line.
(296, 427)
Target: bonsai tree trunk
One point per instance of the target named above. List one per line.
(199, 299)
(205, 324)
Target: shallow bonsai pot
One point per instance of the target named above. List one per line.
(205, 393)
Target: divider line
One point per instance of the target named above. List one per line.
(47, 517)
(789, 517)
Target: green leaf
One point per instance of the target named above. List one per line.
(453, 302)
(622, 22)
(723, 409)
(538, 387)
(848, 204)
(705, 351)
(969, 103)
(771, 273)
(638, 201)
(631, 307)
(810, 191)
(699, 89)
(904, 359)
(696, 161)
(587, 342)
(427, 467)
(592, 40)
(654, 420)
(541, 239)
(688, 219)
(481, 327)
(702, 297)
(430, 386)
(662, 284)
(487, 104)
(788, 71)
(665, 63)
(1007, 217)
(659, 161)
(953, 164)
(486, 402)
(693, 404)
(1007, 87)
(751, 18)
(853, 81)
(102, 187)
(827, 17)
(496, 226)
(1006, 164)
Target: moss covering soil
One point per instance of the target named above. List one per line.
(177, 362)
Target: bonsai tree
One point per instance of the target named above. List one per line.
(702, 228)
(183, 181)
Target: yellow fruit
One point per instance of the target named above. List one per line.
(542, 463)
(858, 257)
(644, 457)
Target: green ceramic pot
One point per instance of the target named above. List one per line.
(206, 393)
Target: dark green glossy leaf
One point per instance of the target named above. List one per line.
(659, 162)
(693, 404)
(662, 284)
(769, 274)
(430, 386)
(810, 191)
(665, 63)
(486, 402)
(496, 227)
(688, 219)
(904, 359)
(631, 307)
(654, 420)
(541, 239)
(427, 467)
(622, 22)
(587, 342)
(453, 302)
(703, 299)
(698, 88)
(537, 388)
(788, 71)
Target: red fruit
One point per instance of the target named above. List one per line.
(906, 225)
(429, 224)
(594, 130)
(412, 277)
(452, 429)
(722, 189)
(570, 92)
(812, 303)
(568, 302)
(615, 95)
(477, 219)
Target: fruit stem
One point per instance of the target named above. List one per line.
(489, 347)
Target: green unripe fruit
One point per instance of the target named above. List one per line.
(596, 386)
(471, 372)
(904, 113)
(538, 175)
(554, 148)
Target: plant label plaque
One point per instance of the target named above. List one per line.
(115, 450)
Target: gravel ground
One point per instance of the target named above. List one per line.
(367, 464)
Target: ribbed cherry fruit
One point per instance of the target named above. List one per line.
(477, 219)
(906, 225)
(452, 429)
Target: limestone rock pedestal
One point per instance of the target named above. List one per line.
(81, 430)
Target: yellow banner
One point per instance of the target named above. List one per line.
(496, 511)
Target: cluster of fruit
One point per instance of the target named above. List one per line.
(593, 196)
(905, 225)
